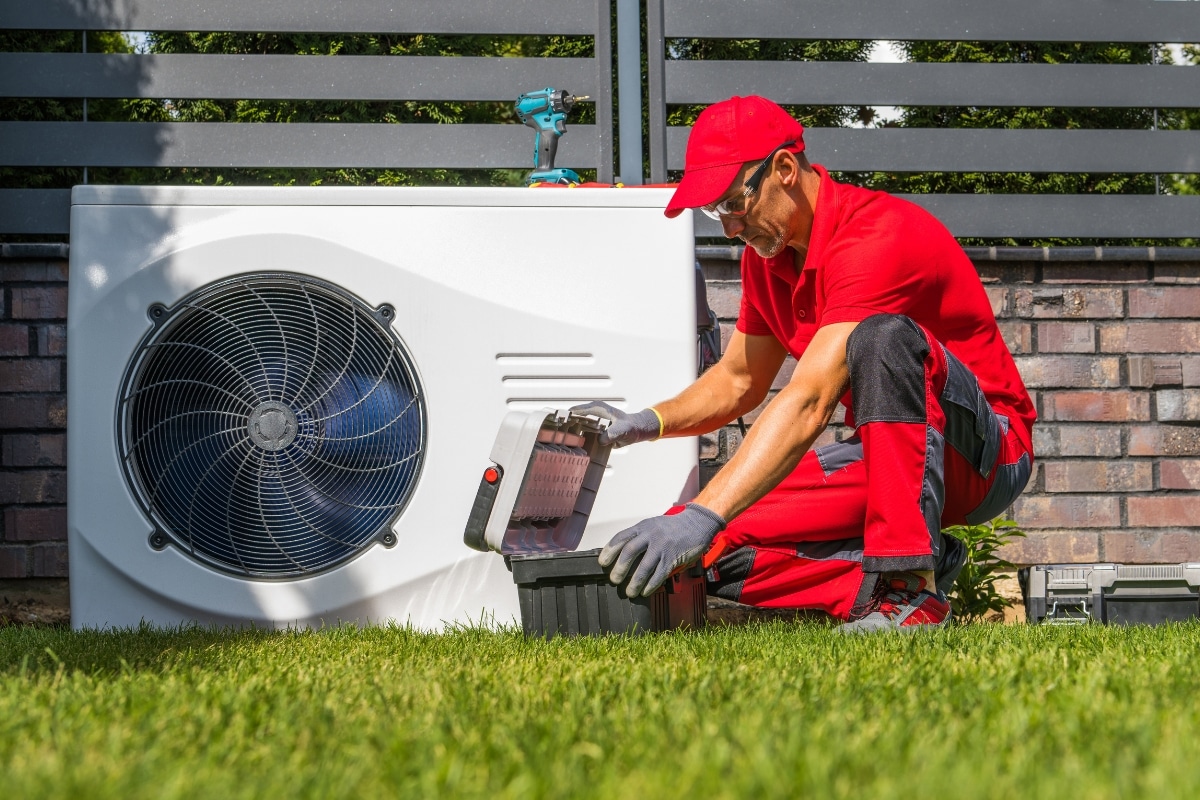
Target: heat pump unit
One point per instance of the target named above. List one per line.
(281, 399)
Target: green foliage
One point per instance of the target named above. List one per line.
(975, 595)
(777, 710)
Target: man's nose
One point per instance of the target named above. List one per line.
(732, 226)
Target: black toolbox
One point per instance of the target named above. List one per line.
(532, 506)
(569, 594)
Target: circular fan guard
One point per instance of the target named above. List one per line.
(272, 425)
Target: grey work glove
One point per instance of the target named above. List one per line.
(625, 428)
(663, 545)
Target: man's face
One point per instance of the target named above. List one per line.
(764, 224)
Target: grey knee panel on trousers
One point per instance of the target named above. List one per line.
(886, 357)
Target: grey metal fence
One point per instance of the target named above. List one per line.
(679, 82)
(396, 78)
(266, 77)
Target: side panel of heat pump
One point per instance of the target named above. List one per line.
(500, 306)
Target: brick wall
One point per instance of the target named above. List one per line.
(1110, 352)
(33, 411)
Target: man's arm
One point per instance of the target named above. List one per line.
(786, 429)
(731, 387)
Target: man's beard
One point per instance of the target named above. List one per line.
(773, 249)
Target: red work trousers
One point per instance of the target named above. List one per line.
(928, 452)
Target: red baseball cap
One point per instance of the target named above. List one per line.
(727, 135)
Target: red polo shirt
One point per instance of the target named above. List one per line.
(872, 253)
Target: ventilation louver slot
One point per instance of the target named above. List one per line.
(272, 425)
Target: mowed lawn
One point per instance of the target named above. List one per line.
(763, 710)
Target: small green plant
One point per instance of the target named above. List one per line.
(975, 596)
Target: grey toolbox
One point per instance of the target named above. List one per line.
(532, 506)
(1111, 593)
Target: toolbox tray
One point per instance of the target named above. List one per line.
(569, 594)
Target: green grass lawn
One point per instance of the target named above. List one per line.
(765, 710)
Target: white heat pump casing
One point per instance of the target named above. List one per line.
(505, 299)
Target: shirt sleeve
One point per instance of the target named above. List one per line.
(750, 319)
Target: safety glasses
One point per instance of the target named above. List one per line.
(736, 206)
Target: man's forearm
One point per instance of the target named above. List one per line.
(781, 436)
(715, 399)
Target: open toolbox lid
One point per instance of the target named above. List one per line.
(537, 495)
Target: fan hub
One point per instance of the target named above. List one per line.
(272, 425)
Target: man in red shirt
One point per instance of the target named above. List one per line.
(885, 314)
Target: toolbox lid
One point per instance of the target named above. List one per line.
(539, 491)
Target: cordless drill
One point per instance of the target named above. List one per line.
(546, 112)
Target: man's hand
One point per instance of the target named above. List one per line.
(658, 546)
(625, 428)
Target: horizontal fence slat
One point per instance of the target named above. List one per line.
(280, 77)
(305, 16)
(966, 20)
(979, 150)
(284, 145)
(35, 211)
(847, 83)
(1045, 216)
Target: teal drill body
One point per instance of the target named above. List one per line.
(546, 112)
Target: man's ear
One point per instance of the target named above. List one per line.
(787, 167)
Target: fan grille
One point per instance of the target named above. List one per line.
(272, 425)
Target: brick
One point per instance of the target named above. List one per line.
(1103, 272)
(1067, 511)
(784, 376)
(31, 375)
(1164, 440)
(1018, 336)
(34, 450)
(36, 411)
(39, 302)
(1150, 337)
(999, 298)
(1181, 473)
(1164, 302)
(1054, 303)
(1150, 547)
(1066, 337)
(1098, 476)
(1110, 406)
(1178, 405)
(48, 561)
(1190, 368)
(14, 340)
(1053, 441)
(710, 446)
(14, 562)
(1148, 371)
(34, 271)
(1069, 372)
(1176, 273)
(1165, 511)
(1048, 547)
(725, 298)
(1006, 271)
(35, 524)
(52, 340)
(33, 486)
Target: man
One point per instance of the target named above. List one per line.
(885, 314)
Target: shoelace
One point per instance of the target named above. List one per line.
(888, 597)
